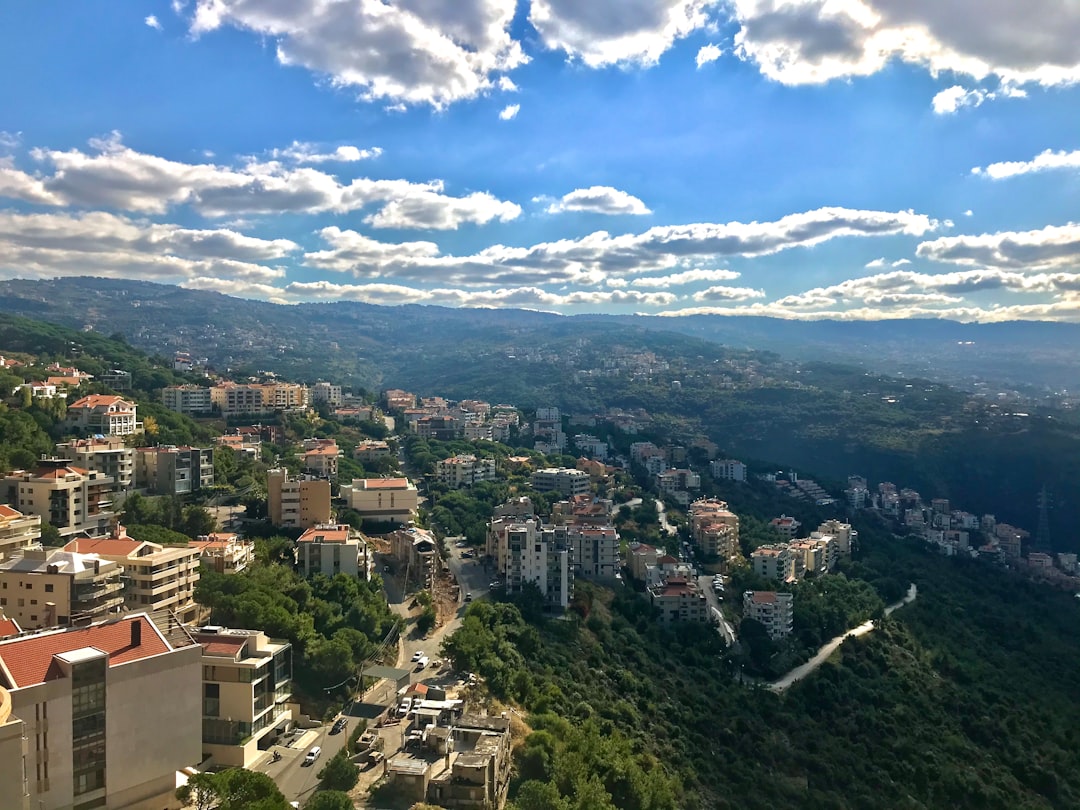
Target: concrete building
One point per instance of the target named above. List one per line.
(101, 413)
(676, 480)
(715, 528)
(845, 536)
(786, 527)
(533, 554)
(171, 470)
(74, 500)
(50, 587)
(224, 552)
(772, 609)
(641, 557)
(595, 551)
(233, 399)
(106, 715)
(332, 549)
(563, 480)
(417, 554)
(728, 469)
(192, 400)
(327, 393)
(386, 500)
(371, 450)
(297, 503)
(17, 531)
(154, 577)
(679, 600)
(321, 457)
(109, 456)
(245, 693)
(774, 562)
(464, 471)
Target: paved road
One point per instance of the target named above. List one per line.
(295, 780)
(829, 648)
(665, 527)
(722, 624)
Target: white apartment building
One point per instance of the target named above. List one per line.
(772, 609)
(224, 552)
(532, 554)
(391, 500)
(845, 536)
(110, 456)
(595, 551)
(245, 692)
(563, 480)
(99, 716)
(332, 549)
(104, 414)
(74, 500)
(328, 393)
(774, 562)
(50, 587)
(728, 469)
(464, 471)
(17, 531)
(787, 527)
(188, 399)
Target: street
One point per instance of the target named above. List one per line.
(295, 780)
(715, 609)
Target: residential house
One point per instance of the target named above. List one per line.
(98, 716)
(107, 455)
(563, 480)
(678, 599)
(17, 531)
(297, 502)
(641, 557)
(193, 400)
(245, 693)
(397, 400)
(104, 414)
(155, 577)
(224, 552)
(332, 549)
(169, 470)
(321, 457)
(464, 471)
(776, 562)
(371, 450)
(49, 587)
(786, 527)
(774, 610)
(385, 500)
(74, 500)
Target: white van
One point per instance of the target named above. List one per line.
(312, 755)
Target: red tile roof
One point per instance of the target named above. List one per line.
(7, 512)
(667, 559)
(28, 660)
(763, 597)
(386, 483)
(105, 546)
(100, 401)
(9, 627)
(325, 534)
(225, 646)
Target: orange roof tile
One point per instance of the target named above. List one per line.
(226, 646)
(7, 512)
(97, 401)
(763, 597)
(325, 534)
(28, 660)
(105, 546)
(386, 483)
(9, 627)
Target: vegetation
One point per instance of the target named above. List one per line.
(339, 773)
(232, 789)
(330, 800)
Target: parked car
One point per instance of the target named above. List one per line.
(403, 709)
(416, 656)
(468, 597)
(339, 725)
(421, 663)
(312, 755)
(494, 586)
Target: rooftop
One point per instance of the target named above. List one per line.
(383, 483)
(326, 534)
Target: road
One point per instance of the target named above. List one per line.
(829, 648)
(295, 780)
(722, 624)
(661, 510)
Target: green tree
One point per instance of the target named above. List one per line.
(330, 800)
(241, 789)
(339, 773)
(534, 795)
(50, 535)
(200, 791)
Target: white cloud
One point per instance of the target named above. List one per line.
(707, 54)
(599, 200)
(879, 262)
(607, 32)
(686, 277)
(103, 244)
(309, 153)
(509, 111)
(593, 258)
(1044, 162)
(900, 262)
(954, 98)
(9, 140)
(117, 177)
(1053, 247)
(412, 51)
(506, 84)
(153, 22)
(728, 294)
(814, 41)
(969, 213)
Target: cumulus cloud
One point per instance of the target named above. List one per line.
(1053, 247)
(728, 294)
(104, 244)
(153, 22)
(309, 153)
(509, 111)
(814, 41)
(412, 51)
(115, 176)
(954, 98)
(1044, 162)
(597, 256)
(506, 84)
(707, 54)
(599, 200)
(683, 278)
(607, 32)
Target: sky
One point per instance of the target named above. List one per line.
(850, 159)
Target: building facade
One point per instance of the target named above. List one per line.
(17, 531)
(297, 503)
(74, 500)
(332, 549)
(51, 587)
(188, 399)
(772, 609)
(109, 456)
(563, 480)
(104, 414)
(464, 471)
(386, 500)
(171, 470)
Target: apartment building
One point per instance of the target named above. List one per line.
(83, 722)
(417, 554)
(321, 457)
(297, 502)
(595, 551)
(332, 549)
(17, 531)
(774, 610)
(224, 552)
(154, 577)
(327, 393)
(787, 527)
(245, 692)
(715, 528)
(776, 562)
(677, 480)
(397, 400)
(234, 399)
(107, 455)
(104, 414)
(728, 469)
(386, 500)
(563, 480)
(679, 600)
(533, 554)
(845, 536)
(371, 450)
(193, 400)
(464, 471)
(443, 427)
(641, 557)
(73, 499)
(169, 470)
(50, 587)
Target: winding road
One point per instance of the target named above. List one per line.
(829, 648)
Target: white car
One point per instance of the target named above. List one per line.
(416, 656)
(421, 662)
(312, 755)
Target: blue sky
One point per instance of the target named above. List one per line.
(805, 159)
